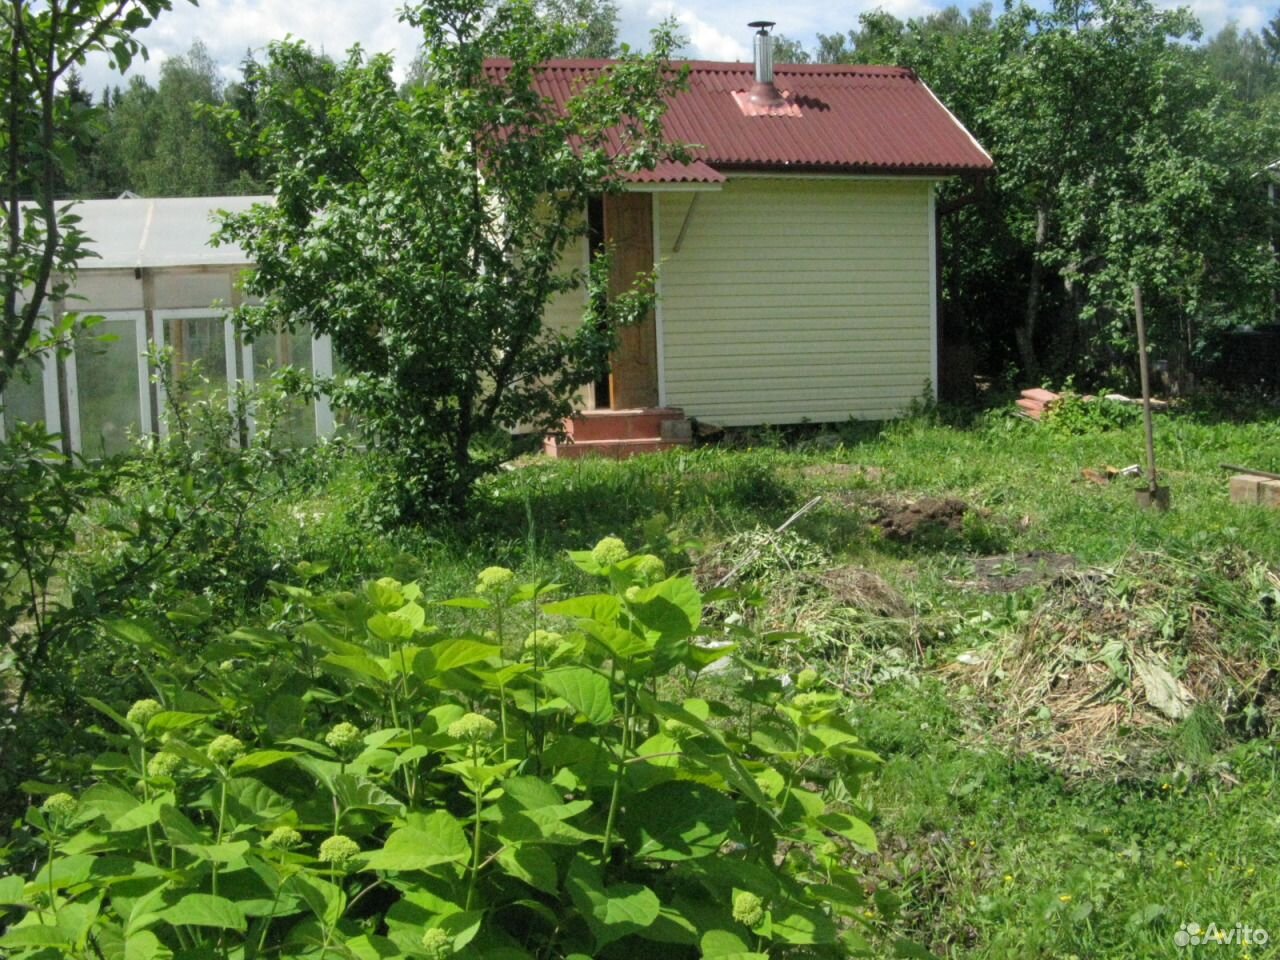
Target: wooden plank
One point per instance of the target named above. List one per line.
(628, 224)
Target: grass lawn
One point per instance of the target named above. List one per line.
(1033, 802)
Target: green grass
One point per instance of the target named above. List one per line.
(987, 851)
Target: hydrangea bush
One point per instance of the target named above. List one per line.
(364, 785)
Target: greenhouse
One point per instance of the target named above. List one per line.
(157, 281)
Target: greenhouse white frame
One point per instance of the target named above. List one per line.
(152, 270)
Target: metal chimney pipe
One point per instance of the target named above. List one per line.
(764, 51)
(763, 92)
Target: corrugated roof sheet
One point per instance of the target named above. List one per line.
(854, 119)
(158, 232)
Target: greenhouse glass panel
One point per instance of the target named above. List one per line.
(198, 348)
(271, 352)
(23, 400)
(108, 386)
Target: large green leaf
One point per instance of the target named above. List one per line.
(390, 627)
(724, 945)
(354, 666)
(140, 816)
(531, 864)
(226, 852)
(672, 608)
(169, 720)
(32, 934)
(109, 801)
(612, 912)
(11, 890)
(261, 758)
(326, 900)
(452, 654)
(583, 689)
(620, 643)
(851, 828)
(801, 926)
(434, 839)
(145, 945)
(601, 607)
(677, 820)
(140, 634)
(204, 910)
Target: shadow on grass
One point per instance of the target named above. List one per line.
(543, 508)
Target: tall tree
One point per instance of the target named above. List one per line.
(1119, 160)
(593, 25)
(425, 233)
(1240, 59)
(166, 140)
(42, 43)
(585, 29)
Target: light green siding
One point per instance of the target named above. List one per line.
(797, 299)
(565, 311)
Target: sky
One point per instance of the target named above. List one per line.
(716, 29)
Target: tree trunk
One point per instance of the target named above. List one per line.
(1025, 335)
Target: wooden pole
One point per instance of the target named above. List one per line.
(1153, 497)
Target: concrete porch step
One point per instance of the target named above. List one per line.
(637, 424)
(622, 433)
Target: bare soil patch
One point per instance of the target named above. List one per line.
(930, 519)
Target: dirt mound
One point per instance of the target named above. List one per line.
(1112, 658)
(929, 519)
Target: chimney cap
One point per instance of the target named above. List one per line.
(762, 25)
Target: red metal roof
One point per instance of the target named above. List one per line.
(853, 119)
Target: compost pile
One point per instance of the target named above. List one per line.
(1112, 657)
(849, 617)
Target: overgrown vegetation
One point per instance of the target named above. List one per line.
(345, 777)
(1035, 800)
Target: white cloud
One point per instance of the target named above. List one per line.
(231, 27)
(706, 41)
(716, 29)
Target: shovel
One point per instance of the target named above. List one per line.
(1153, 495)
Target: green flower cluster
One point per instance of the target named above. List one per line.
(224, 748)
(437, 944)
(472, 727)
(163, 764)
(338, 850)
(544, 640)
(142, 711)
(748, 909)
(494, 580)
(609, 551)
(282, 838)
(651, 569)
(343, 736)
(59, 806)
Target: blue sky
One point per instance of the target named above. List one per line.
(716, 28)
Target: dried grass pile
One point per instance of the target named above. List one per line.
(1112, 657)
(847, 615)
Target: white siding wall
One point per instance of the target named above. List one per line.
(797, 299)
(565, 311)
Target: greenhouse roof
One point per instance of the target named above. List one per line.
(158, 232)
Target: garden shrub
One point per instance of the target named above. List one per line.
(344, 779)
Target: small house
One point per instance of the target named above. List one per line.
(796, 254)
